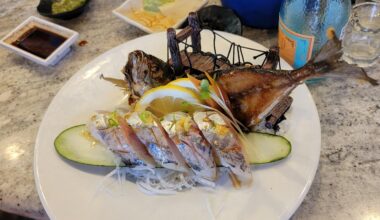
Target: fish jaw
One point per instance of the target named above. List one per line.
(157, 143)
(192, 145)
(113, 138)
(227, 145)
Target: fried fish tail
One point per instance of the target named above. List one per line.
(328, 63)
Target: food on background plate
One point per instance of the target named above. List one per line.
(154, 5)
(62, 6)
(154, 20)
(157, 15)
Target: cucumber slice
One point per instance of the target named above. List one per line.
(73, 145)
(266, 148)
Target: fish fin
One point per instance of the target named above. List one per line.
(117, 82)
(373, 81)
(328, 63)
(342, 68)
(331, 50)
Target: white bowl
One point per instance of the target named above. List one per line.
(70, 35)
(177, 10)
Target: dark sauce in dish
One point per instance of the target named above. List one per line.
(39, 42)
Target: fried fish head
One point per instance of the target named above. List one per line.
(144, 71)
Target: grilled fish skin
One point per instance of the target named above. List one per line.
(254, 92)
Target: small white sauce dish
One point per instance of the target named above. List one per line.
(177, 11)
(34, 22)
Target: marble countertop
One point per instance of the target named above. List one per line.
(347, 182)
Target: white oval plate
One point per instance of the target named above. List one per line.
(70, 191)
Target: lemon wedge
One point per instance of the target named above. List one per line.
(169, 98)
(184, 82)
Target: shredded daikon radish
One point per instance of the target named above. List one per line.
(150, 181)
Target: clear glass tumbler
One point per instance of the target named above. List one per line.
(361, 41)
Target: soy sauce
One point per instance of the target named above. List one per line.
(39, 42)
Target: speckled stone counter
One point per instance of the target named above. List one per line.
(347, 183)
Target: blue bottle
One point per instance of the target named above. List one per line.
(303, 24)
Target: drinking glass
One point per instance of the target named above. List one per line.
(361, 41)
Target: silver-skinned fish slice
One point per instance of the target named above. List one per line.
(225, 141)
(159, 145)
(193, 146)
(105, 128)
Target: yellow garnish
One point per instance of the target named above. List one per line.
(86, 134)
(127, 115)
(221, 130)
(186, 124)
(183, 124)
(179, 126)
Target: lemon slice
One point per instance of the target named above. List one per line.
(166, 99)
(184, 82)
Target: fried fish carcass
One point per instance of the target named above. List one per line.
(193, 146)
(253, 92)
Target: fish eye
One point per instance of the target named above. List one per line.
(154, 68)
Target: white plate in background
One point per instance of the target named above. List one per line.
(177, 10)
